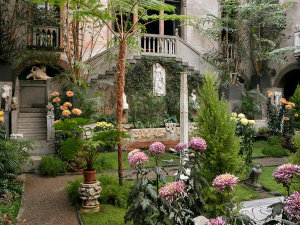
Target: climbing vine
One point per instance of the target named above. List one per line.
(139, 83)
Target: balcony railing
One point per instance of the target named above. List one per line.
(163, 45)
(45, 37)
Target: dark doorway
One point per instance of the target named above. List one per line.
(152, 28)
(289, 82)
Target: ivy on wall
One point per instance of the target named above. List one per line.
(139, 85)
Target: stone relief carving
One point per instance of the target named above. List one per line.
(159, 80)
(148, 133)
(89, 193)
(38, 73)
(170, 128)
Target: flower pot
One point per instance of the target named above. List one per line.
(78, 170)
(89, 176)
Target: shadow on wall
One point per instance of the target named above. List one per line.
(289, 82)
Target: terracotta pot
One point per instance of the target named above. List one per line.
(89, 176)
(78, 170)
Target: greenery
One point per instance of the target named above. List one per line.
(143, 105)
(250, 104)
(52, 166)
(275, 151)
(215, 126)
(296, 99)
(108, 215)
(258, 146)
(12, 156)
(295, 158)
(9, 208)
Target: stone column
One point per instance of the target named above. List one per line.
(161, 24)
(183, 28)
(184, 110)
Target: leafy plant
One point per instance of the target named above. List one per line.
(296, 99)
(275, 151)
(52, 166)
(12, 156)
(215, 126)
(263, 130)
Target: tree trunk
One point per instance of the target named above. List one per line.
(119, 98)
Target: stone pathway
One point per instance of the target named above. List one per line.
(45, 201)
(271, 161)
(258, 209)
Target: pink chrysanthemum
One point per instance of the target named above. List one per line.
(218, 221)
(292, 207)
(180, 146)
(170, 190)
(197, 144)
(157, 148)
(133, 152)
(284, 173)
(137, 158)
(225, 181)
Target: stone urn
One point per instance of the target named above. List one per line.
(89, 193)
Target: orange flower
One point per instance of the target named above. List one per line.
(66, 112)
(56, 99)
(76, 111)
(69, 93)
(270, 95)
(292, 104)
(57, 121)
(63, 107)
(288, 107)
(55, 93)
(269, 92)
(1, 119)
(283, 101)
(296, 115)
(68, 104)
(286, 118)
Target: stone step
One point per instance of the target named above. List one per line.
(32, 120)
(32, 110)
(32, 115)
(32, 131)
(35, 137)
(32, 125)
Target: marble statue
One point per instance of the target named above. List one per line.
(159, 80)
(15, 104)
(38, 73)
(6, 89)
(125, 104)
(278, 96)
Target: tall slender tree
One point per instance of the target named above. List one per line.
(125, 19)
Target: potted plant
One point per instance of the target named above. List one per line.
(76, 164)
(84, 138)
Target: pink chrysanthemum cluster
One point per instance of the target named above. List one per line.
(157, 148)
(170, 190)
(197, 144)
(180, 146)
(218, 221)
(136, 157)
(225, 181)
(284, 173)
(292, 207)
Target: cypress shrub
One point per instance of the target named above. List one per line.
(215, 126)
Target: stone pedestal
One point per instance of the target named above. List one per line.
(89, 193)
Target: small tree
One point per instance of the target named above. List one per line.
(218, 130)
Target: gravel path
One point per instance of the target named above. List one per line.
(45, 202)
(271, 161)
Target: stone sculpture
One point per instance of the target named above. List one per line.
(38, 73)
(159, 80)
(6, 89)
(125, 104)
(252, 181)
(50, 121)
(15, 104)
(89, 193)
(278, 96)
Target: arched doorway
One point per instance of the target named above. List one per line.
(289, 82)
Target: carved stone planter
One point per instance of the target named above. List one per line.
(89, 193)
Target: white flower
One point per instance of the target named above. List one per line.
(251, 122)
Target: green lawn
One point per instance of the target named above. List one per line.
(258, 147)
(108, 215)
(245, 193)
(109, 160)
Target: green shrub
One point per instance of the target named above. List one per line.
(111, 193)
(275, 140)
(275, 151)
(295, 158)
(103, 163)
(215, 126)
(52, 166)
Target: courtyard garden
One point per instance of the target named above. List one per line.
(138, 133)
